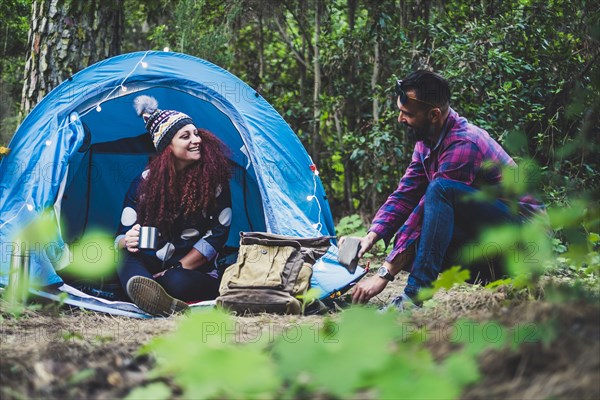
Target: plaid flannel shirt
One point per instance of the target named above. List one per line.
(464, 153)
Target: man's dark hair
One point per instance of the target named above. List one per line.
(429, 87)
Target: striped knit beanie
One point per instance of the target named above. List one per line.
(161, 124)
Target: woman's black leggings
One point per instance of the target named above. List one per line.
(183, 284)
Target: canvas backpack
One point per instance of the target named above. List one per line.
(270, 274)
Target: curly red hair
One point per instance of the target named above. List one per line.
(166, 192)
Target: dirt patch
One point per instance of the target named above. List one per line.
(565, 363)
(77, 354)
(74, 354)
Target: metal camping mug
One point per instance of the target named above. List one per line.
(18, 280)
(148, 238)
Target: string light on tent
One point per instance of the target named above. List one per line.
(313, 196)
(26, 205)
(74, 116)
(121, 86)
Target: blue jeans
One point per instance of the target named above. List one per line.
(183, 284)
(451, 220)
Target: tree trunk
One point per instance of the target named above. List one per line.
(66, 36)
(352, 6)
(375, 79)
(348, 203)
(316, 140)
(261, 50)
(350, 112)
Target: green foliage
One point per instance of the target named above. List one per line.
(577, 225)
(527, 72)
(414, 374)
(498, 283)
(558, 246)
(206, 364)
(330, 359)
(314, 361)
(529, 253)
(154, 391)
(309, 297)
(525, 250)
(198, 27)
(478, 337)
(15, 309)
(25, 247)
(331, 362)
(446, 280)
(13, 37)
(94, 255)
(81, 376)
(351, 225)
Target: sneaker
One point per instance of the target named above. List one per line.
(152, 298)
(112, 292)
(399, 303)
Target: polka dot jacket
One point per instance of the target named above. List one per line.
(207, 233)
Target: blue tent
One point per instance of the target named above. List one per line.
(77, 152)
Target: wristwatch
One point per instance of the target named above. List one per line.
(385, 274)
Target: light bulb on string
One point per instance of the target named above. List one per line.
(315, 172)
(166, 49)
(98, 108)
(48, 142)
(73, 117)
(123, 88)
(144, 64)
(29, 207)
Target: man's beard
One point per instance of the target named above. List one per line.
(414, 135)
(421, 134)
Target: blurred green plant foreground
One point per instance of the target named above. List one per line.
(364, 352)
(334, 359)
(338, 359)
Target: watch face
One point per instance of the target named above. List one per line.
(382, 271)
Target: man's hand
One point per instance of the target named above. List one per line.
(368, 288)
(367, 243)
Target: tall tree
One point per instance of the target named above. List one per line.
(377, 62)
(316, 138)
(66, 36)
(13, 46)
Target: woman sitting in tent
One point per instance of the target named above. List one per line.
(185, 194)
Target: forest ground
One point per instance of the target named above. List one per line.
(75, 354)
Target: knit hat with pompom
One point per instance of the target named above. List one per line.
(161, 124)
